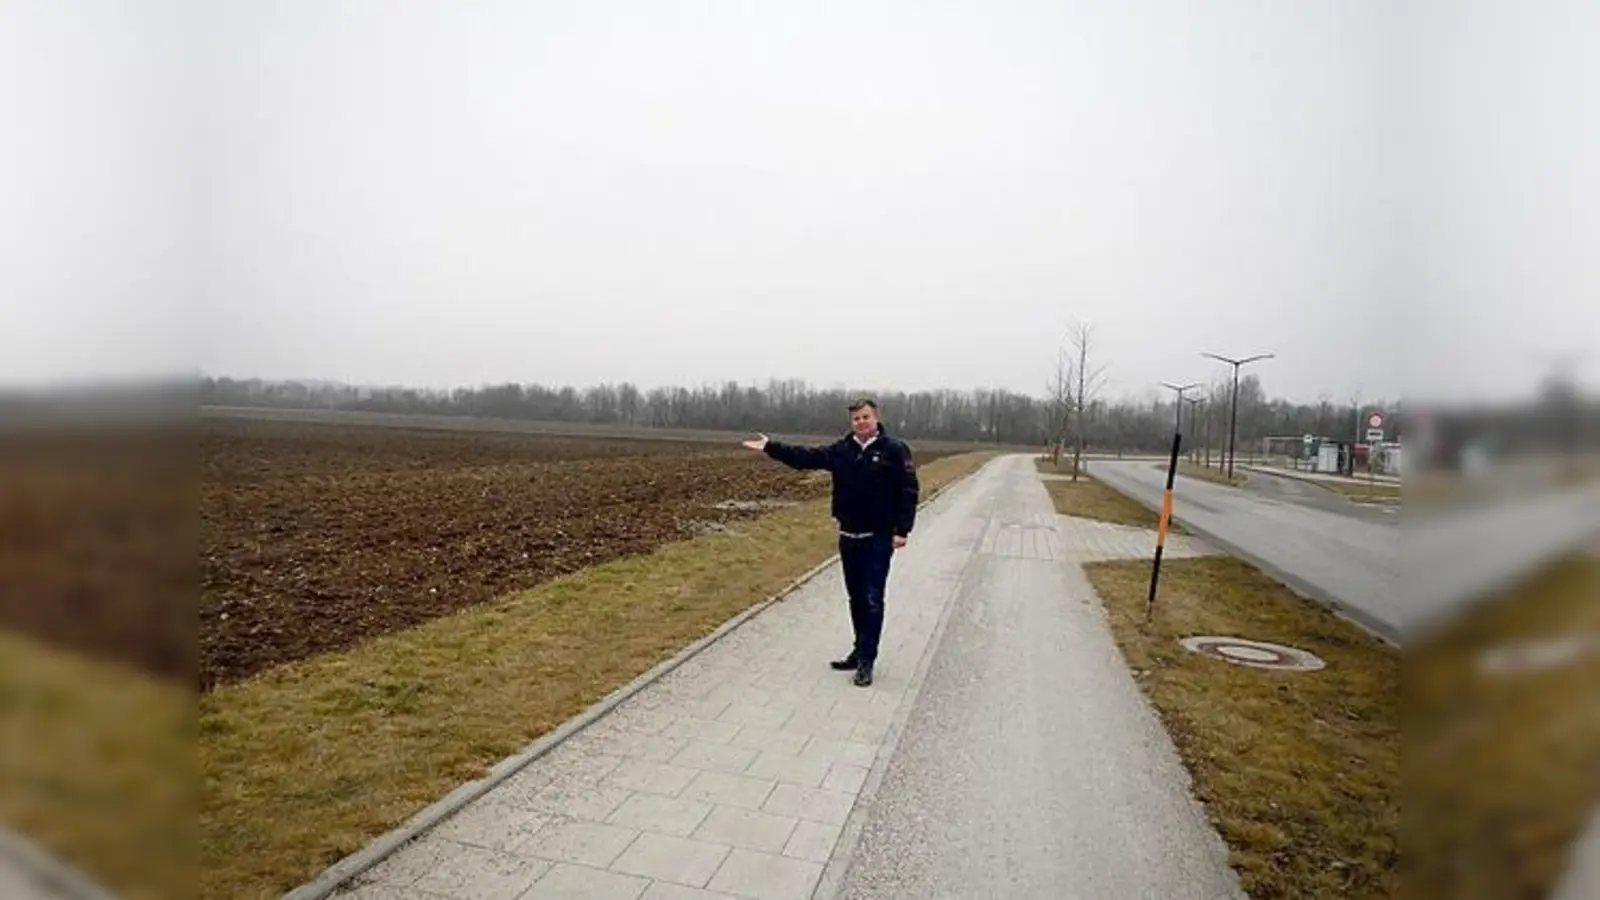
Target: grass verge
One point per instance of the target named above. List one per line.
(97, 767)
(1048, 466)
(1366, 491)
(1089, 499)
(307, 763)
(1298, 770)
(1197, 472)
(1500, 765)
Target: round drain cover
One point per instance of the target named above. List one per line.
(1245, 652)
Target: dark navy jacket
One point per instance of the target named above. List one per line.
(874, 490)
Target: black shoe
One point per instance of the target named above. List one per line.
(846, 664)
(864, 676)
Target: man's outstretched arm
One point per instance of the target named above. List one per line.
(906, 498)
(791, 455)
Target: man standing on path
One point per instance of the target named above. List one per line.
(875, 502)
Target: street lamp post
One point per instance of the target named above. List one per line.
(1233, 416)
(1195, 405)
(1177, 406)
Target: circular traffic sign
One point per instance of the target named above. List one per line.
(1375, 421)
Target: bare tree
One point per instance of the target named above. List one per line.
(1089, 383)
(1059, 400)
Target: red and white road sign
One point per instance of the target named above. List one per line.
(1375, 421)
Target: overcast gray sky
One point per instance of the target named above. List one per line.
(903, 194)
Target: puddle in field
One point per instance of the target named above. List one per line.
(754, 505)
(701, 527)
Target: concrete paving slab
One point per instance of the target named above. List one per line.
(721, 788)
(674, 860)
(813, 841)
(663, 815)
(473, 873)
(744, 828)
(1090, 540)
(585, 843)
(571, 882)
(763, 876)
(662, 890)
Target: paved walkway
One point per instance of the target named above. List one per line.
(737, 774)
(29, 872)
(1030, 765)
(1088, 540)
(18, 884)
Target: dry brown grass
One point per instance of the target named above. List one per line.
(1089, 499)
(1299, 771)
(1047, 466)
(310, 761)
(1367, 491)
(1197, 472)
(97, 767)
(1500, 767)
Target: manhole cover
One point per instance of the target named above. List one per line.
(1241, 651)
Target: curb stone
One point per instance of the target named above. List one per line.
(376, 851)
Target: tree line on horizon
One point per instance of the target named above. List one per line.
(795, 407)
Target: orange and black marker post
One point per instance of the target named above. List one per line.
(1166, 518)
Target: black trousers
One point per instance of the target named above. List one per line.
(866, 575)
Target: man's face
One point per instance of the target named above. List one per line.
(864, 422)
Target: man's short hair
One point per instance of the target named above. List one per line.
(863, 403)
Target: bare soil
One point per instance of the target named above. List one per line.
(403, 718)
(314, 537)
(96, 538)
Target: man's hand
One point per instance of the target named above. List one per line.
(757, 443)
(899, 542)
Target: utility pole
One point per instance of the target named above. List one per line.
(1233, 416)
(1350, 460)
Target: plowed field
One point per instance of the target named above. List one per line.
(96, 542)
(313, 537)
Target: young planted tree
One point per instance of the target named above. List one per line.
(1059, 410)
(1090, 380)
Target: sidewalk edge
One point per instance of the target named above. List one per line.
(43, 869)
(382, 847)
(1582, 876)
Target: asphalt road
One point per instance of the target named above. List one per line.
(1454, 558)
(1320, 544)
(1030, 766)
(1397, 581)
(1306, 493)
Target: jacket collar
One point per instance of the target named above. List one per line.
(882, 435)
